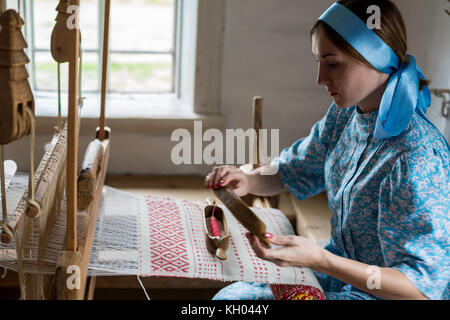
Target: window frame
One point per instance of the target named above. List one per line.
(33, 49)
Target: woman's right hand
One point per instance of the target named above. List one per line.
(230, 176)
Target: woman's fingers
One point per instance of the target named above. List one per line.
(213, 180)
(260, 249)
(235, 181)
(276, 256)
(281, 240)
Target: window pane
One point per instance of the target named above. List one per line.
(44, 21)
(46, 75)
(142, 25)
(90, 72)
(140, 72)
(47, 72)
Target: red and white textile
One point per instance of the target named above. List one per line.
(170, 242)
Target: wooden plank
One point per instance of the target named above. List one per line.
(131, 282)
(90, 288)
(257, 125)
(87, 232)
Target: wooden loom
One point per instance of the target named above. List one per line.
(83, 192)
(87, 195)
(83, 198)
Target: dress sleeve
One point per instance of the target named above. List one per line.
(414, 224)
(301, 166)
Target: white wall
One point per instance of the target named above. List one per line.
(267, 52)
(428, 27)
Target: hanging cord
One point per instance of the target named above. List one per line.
(18, 7)
(58, 119)
(5, 272)
(80, 74)
(4, 224)
(143, 288)
(31, 186)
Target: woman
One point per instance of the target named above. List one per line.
(383, 164)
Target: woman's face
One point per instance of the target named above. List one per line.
(346, 80)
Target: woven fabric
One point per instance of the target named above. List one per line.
(171, 242)
(157, 236)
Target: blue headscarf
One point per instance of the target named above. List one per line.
(402, 96)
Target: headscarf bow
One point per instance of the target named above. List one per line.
(402, 96)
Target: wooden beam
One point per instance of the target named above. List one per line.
(104, 69)
(257, 125)
(88, 218)
(72, 141)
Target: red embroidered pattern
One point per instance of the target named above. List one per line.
(167, 240)
(296, 292)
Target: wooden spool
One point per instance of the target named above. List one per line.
(217, 246)
(242, 213)
(90, 170)
(16, 94)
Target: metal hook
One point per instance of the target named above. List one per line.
(441, 93)
(445, 108)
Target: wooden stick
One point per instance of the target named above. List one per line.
(72, 142)
(90, 288)
(104, 69)
(257, 124)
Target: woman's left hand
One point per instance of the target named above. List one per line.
(296, 251)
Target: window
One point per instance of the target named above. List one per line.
(184, 61)
(142, 53)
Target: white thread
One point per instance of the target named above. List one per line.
(5, 271)
(143, 288)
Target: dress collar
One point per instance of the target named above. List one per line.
(365, 121)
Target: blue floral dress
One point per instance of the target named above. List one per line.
(390, 199)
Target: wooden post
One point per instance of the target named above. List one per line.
(2, 6)
(257, 124)
(104, 69)
(72, 140)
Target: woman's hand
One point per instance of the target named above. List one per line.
(230, 176)
(296, 251)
